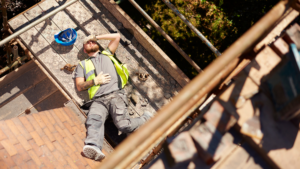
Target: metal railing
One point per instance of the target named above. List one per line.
(192, 27)
(137, 144)
(16, 34)
(165, 35)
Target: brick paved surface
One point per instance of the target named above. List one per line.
(49, 139)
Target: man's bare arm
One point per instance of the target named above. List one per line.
(114, 43)
(81, 84)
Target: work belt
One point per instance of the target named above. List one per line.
(86, 106)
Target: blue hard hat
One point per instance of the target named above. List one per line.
(66, 37)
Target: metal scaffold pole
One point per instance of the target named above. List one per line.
(165, 35)
(192, 27)
(16, 34)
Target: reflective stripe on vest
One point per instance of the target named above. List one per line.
(89, 74)
(121, 68)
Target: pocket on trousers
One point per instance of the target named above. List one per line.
(120, 106)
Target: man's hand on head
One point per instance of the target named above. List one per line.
(102, 79)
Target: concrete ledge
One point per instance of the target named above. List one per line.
(146, 42)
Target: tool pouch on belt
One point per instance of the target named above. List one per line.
(86, 106)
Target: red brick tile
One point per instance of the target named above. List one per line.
(35, 158)
(31, 164)
(65, 146)
(90, 162)
(57, 136)
(78, 162)
(11, 125)
(72, 115)
(81, 159)
(78, 147)
(35, 125)
(37, 138)
(48, 143)
(22, 128)
(24, 142)
(2, 135)
(47, 122)
(18, 160)
(49, 116)
(48, 153)
(8, 133)
(70, 144)
(7, 158)
(67, 167)
(60, 115)
(9, 147)
(71, 162)
(68, 119)
(69, 127)
(96, 164)
(61, 132)
(25, 166)
(57, 120)
(17, 134)
(22, 152)
(78, 133)
(88, 167)
(69, 135)
(49, 134)
(39, 120)
(16, 167)
(79, 140)
(60, 148)
(3, 164)
(61, 160)
(84, 134)
(26, 123)
(37, 149)
(81, 127)
(46, 161)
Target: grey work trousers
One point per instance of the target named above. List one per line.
(114, 104)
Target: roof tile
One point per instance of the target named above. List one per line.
(49, 116)
(36, 137)
(46, 121)
(22, 152)
(9, 147)
(21, 128)
(7, 158)
(26, 123)
(8, 133)
(39, 120)
(49, 139)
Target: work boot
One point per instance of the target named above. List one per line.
(147, 116)
(93, 152)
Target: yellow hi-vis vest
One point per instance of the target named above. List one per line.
(89, 72)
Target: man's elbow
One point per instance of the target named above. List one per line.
(118, 36)
(78, 88)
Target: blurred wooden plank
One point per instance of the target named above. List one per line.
(290, 15)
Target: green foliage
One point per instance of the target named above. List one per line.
(221, 22)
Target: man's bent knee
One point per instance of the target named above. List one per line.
(124, 126)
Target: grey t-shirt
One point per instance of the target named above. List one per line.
(102, 64)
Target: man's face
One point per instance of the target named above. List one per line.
(90, 47)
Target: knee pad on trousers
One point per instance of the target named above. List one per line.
(123, 126)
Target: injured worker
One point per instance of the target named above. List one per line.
(104, 78)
